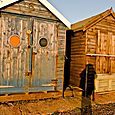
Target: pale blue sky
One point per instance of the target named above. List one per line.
(76, 10)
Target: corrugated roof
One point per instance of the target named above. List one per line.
(4, 3)
(85, 24)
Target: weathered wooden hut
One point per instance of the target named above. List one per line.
(93, 42)
(32, 46)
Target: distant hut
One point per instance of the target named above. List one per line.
(32, 46)
(93, 42)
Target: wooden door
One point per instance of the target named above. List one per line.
(17, 62)
(44, 54)
(13, 63)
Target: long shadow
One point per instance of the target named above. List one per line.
(87, 85)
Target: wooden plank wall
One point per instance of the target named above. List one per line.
(78, 45)
(107, 32)
(60, 57)
(91, 40)
(101, 40)
(91, 46)
(30, 7)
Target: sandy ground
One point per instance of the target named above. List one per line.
(44, 107)
(50, 106)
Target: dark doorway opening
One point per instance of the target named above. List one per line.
(67, 60)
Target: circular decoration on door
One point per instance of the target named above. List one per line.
(14, 40)
(43, 42)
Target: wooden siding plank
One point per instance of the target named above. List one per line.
(0, 49)
(28, 7)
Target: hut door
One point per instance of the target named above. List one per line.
(44, 55)
(24, 66)
(14, 54)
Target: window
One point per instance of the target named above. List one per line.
(43, 42)
(14, 40)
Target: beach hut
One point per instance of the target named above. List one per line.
(32, 46)
(93, 42)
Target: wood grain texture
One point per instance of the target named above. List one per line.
(46, 63)
(97, 39)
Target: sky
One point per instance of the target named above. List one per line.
(77, 10)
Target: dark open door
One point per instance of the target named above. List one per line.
(67, 60)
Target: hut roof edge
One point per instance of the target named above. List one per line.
(4, 3)
(87, 23)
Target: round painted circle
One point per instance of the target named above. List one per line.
(43, 42)
(14, 40)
